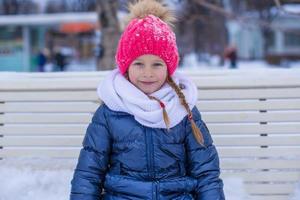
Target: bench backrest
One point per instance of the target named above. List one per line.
(254, 118)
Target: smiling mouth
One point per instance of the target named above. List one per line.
(147, 83)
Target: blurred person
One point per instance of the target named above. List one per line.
(60, 59)
(231, 54)
(42, 58)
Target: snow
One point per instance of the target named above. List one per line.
(50, 179)
(296, 193)
(286, 10)
(33, 179)
(234, 189)
(293, 8)
(191, 62)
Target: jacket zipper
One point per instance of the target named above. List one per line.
(149, 145)
(156, 190)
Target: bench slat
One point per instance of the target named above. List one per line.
(224, 153)
(76, 141)
(270, 189)
(50, 107)
(243, 152)
(33, 141)
(49, 84)
(259, 164)
(49, 96)
(14, 118)
(261, 93)
(254, 128)
(245, 82)
(203, 106)
(220, 117)
(90, 94)
(55, 152)
(248, 105)
(258, 141)
(271, 197)
(43, 129)
(259, 176)
(203, 82)
(215, 129)
(239, 117)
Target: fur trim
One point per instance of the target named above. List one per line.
(142, 8)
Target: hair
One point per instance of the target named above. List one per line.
(196, 131)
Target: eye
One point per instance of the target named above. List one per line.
(138, 64)
(157, 65)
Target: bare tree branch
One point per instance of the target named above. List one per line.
(243, 20)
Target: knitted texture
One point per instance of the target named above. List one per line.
(120, 95)
(149, 35)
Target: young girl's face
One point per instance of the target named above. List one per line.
(148, 73)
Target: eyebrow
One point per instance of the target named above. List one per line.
(154, 61)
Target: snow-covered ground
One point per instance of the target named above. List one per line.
(190, 62)
(49, 179)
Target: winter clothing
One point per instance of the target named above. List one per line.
(149, 35)
(128, 150)
(130, 159)
(133, 161)
(121, 95)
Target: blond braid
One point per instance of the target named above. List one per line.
(165, 115)
(196, 131)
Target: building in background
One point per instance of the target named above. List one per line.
(285, 40)
(282, 42)
(23, 36)
(248, 40)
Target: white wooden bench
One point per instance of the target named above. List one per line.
(254, 118)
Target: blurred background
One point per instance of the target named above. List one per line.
(82, 35)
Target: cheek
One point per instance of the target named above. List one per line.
(162, 76)
(132, 75)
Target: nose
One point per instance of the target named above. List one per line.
(147, 72)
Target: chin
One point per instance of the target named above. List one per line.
(148, 91)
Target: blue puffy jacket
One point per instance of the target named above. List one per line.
(132, 161)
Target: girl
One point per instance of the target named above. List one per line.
(147, 140)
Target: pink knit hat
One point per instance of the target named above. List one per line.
(149, 35)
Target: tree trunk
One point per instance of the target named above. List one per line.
(207, 32)
(110, 33)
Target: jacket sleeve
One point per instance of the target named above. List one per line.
(89, 174)
(203, 162)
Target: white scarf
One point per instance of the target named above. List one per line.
(119, 94)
